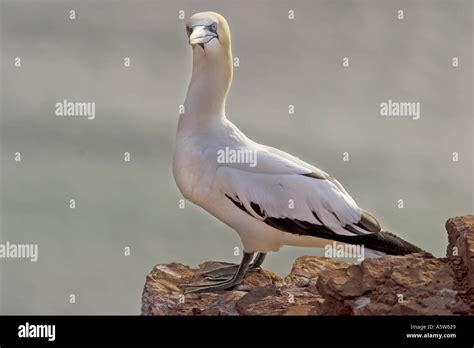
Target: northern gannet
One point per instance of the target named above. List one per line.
(281, 200)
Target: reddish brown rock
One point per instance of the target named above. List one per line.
(416, 284)
(461, 255)
(410, 285)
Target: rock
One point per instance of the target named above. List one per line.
(461, 255)
(416, 284)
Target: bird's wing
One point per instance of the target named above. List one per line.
(293, 196)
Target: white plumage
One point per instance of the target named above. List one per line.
(278, 184)
(273, 201)
(277, 200)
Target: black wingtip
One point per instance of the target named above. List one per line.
(368, 222)
(398, 245)
(314, 175)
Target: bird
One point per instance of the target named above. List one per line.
(274, 201)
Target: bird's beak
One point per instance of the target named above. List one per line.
(201, 35)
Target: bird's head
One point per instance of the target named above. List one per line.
(209, 36)
(208, 33)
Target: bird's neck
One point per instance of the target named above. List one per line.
(210, 82)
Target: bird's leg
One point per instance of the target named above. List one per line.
(228, 269)
(222, 283)
(255, 266)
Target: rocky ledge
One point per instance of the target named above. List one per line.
(416, 284)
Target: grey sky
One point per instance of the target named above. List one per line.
(282, 62)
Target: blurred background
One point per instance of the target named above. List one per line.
(136, 204)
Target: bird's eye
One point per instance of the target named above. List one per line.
(214, 27)
(189, 30)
